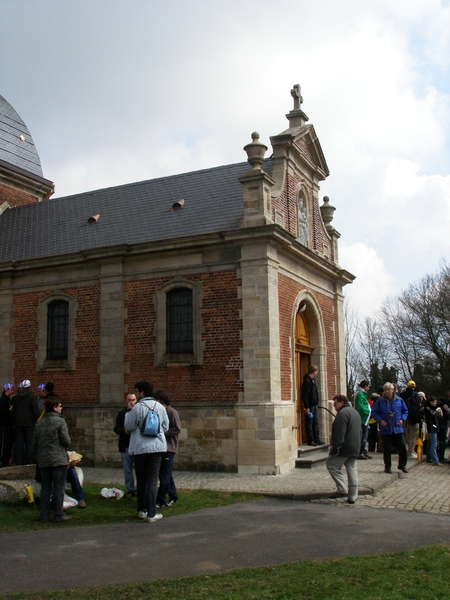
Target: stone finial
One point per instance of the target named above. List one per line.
(296, 93)
(327, 211)
(255, 151)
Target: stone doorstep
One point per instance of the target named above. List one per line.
(310, 457)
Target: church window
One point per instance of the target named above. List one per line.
(57, 330)
(56, 333)
(179, 321)
(178, 328)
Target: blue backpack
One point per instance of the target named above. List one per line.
(150, 425)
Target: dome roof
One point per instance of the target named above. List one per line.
(16, 144)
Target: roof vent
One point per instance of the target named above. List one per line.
(92, 220)
(177, 205)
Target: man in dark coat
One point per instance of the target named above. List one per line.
(310, 400)
(25, 413)
(344, 451)
(6, 424)
(124, 442)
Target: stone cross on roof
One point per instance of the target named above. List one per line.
(297, 95)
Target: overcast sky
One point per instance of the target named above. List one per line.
(115, 91)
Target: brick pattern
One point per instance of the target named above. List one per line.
(288, 292)
(286, 205)
(15, 197)
(79, 386)
(218, 378)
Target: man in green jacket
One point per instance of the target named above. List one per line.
(51, 441)
(362, 407)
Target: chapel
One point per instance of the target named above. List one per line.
(220, 286)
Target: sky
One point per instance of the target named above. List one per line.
(116, 91)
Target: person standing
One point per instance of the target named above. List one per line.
(345, 448)
(147, 451)
(413, 404)
(166, 482)
(51, 441)
(25, 412)
(432, 413)
(362, 407)
(124, 442)
(390, 412)
(6, 424)
(310, 400)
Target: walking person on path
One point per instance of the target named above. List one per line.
(345, 447)
(362, 407)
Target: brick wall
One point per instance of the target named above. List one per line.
(218, 378)
(286, 204)
(15, 197)
(79, 386)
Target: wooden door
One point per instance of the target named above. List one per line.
(303, 351)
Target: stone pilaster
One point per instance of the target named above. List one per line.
(266, 441)
(112, 333)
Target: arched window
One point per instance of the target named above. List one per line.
(57, 330)
(179, 338)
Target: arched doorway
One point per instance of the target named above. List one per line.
(303, 351)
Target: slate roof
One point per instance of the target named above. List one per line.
(129, 214)
(18, 152)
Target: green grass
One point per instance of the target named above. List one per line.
(104, 511)
(418, 575)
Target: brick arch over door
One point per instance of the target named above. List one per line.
(310, 348)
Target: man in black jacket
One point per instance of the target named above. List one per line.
(413, 404)
(124, 442)
(25, 413)
(310, 399)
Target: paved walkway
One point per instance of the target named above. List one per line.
(424, 488)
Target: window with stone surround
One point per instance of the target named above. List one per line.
(56, 332)
(178, 323)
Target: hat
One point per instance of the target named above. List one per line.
(8, 386)
(26, 383)
(421, 394)
(41, 387)
(411, 383)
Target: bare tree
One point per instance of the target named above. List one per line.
(351, 327)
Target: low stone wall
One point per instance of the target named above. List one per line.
(14, 480)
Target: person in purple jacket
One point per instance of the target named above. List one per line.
(390, 412)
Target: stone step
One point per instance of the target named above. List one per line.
(310, 457)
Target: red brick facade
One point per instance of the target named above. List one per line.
(218, 378)
(80, 386)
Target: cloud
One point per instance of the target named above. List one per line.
(373, 282)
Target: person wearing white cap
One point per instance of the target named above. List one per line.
(25, 413)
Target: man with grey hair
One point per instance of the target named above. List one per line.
(345, 448)
(391, 412)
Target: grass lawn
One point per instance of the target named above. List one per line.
(103, 511)
(418, 575)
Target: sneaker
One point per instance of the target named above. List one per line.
(171, 502)
(351, 501)
(413, 455)
(362, 457)
(81, 504)
(157, 517)
(160, 505)
(142, 514)
(63, 519)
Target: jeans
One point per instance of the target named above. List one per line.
(334, 466)
(72, 478)
(127, 466)
(431, 448)
(399, 440)
(52, 484)
(147, 471)
(23, 439)
(312, 425)
(364, 433)
(166, 482)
